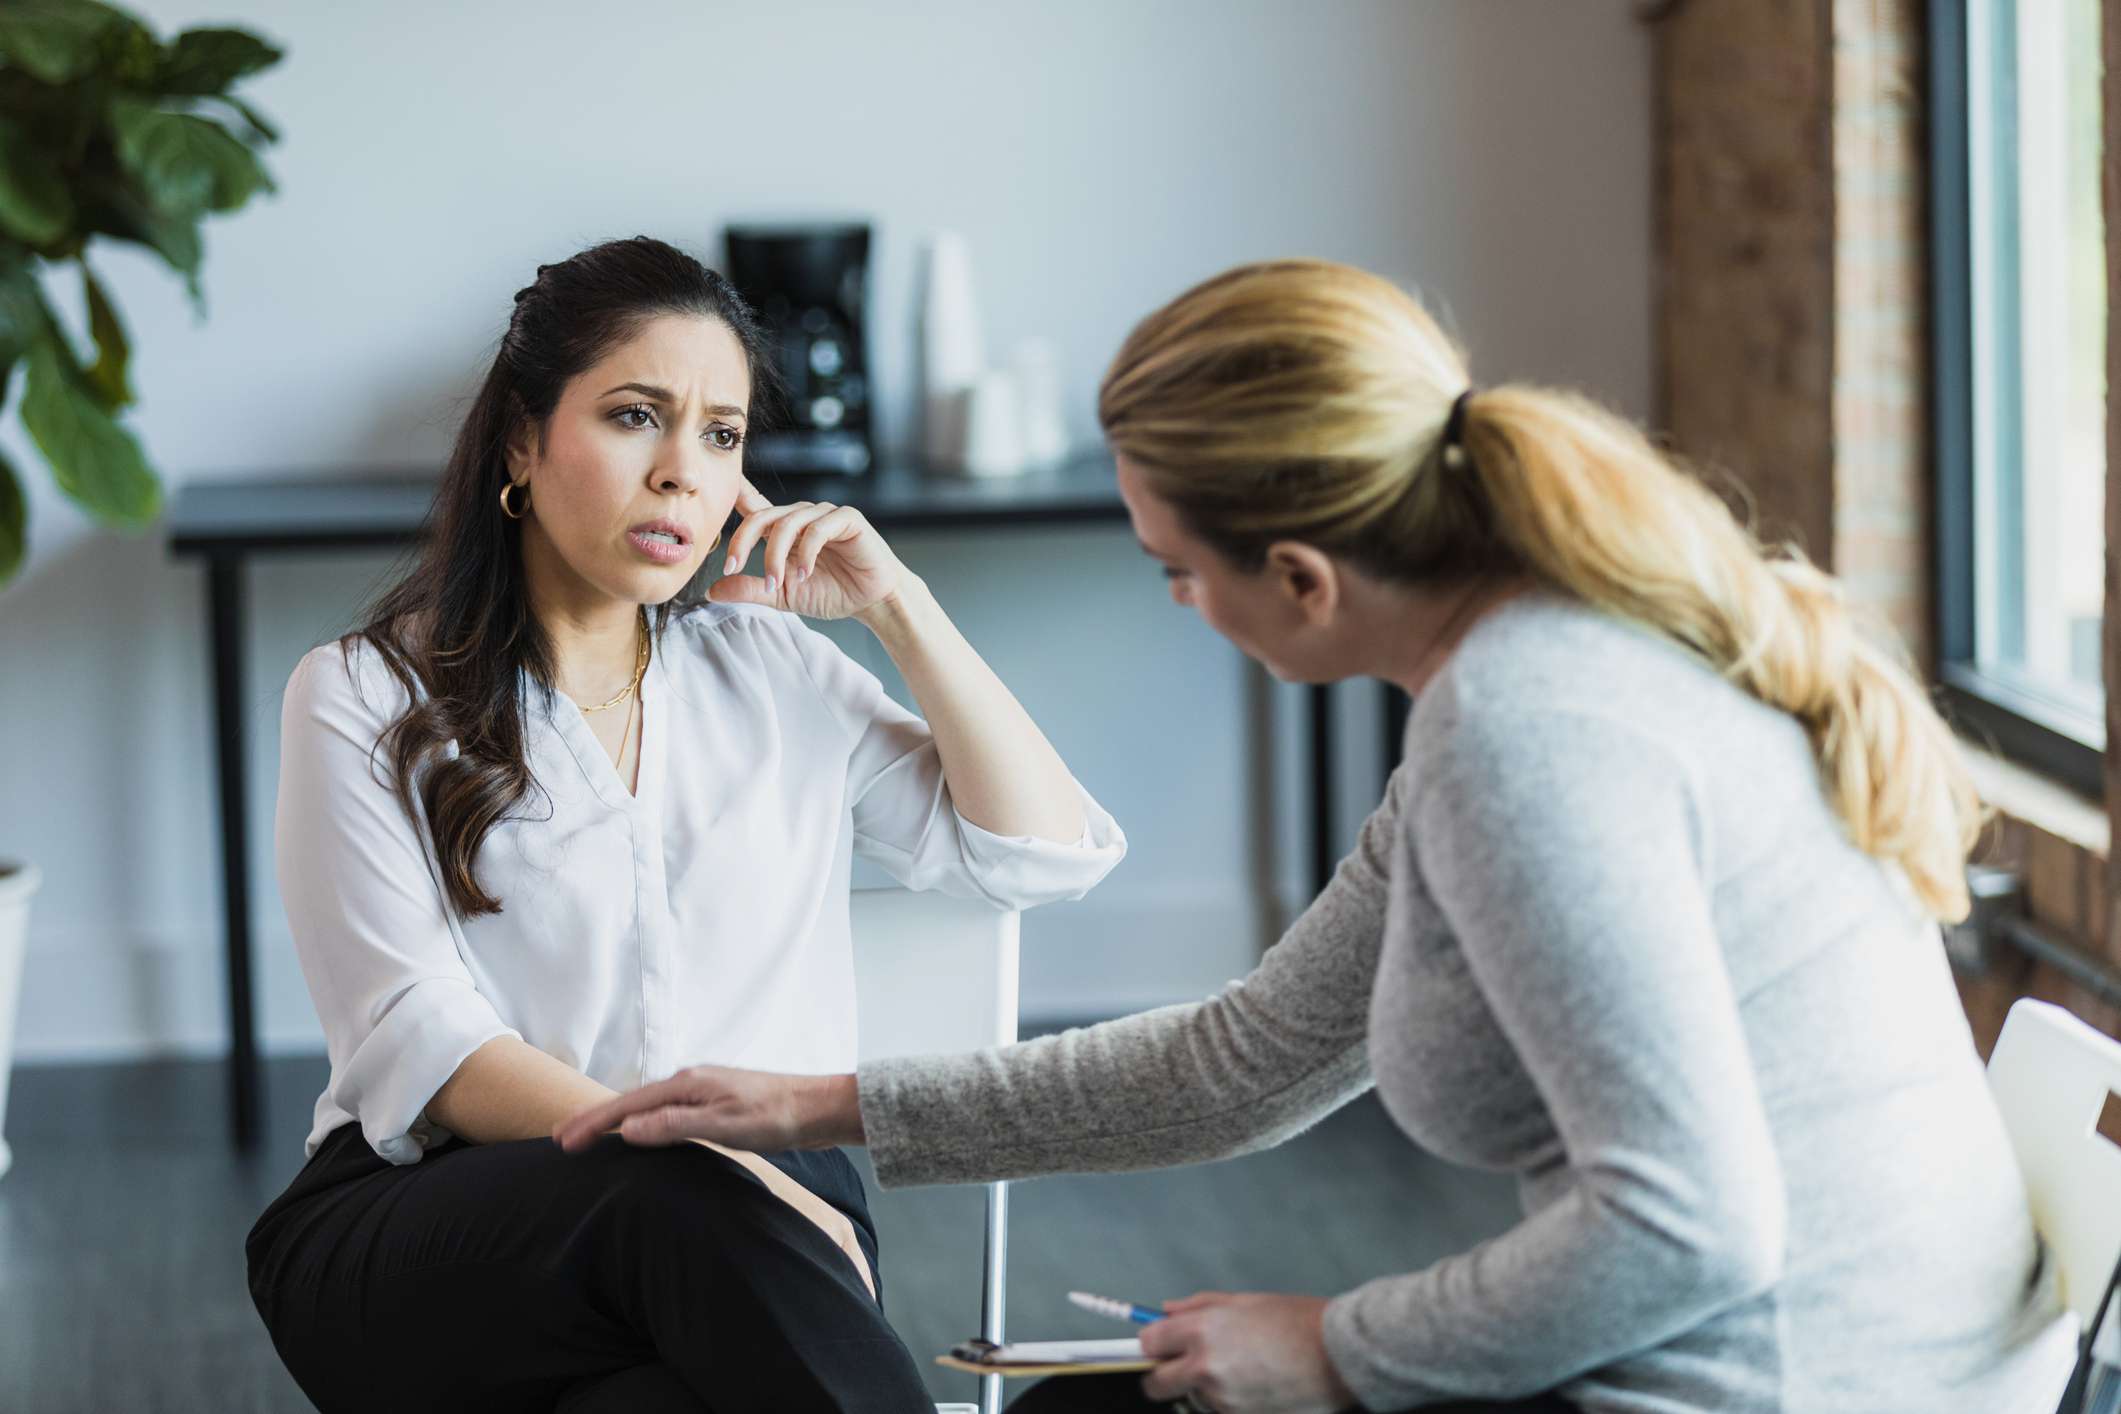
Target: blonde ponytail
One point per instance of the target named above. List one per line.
(1589, 506)
(1305, 400)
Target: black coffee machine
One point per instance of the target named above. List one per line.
(808, 284)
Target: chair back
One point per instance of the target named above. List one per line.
(932, 974)
(2051, 1075)
(935, 974)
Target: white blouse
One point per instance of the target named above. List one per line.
(704, 920)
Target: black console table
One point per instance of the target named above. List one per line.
(225, 523)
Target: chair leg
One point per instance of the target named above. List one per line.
(994, 1289)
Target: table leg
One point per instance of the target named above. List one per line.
(224, 577)
(1322, 854)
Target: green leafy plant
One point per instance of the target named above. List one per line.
(105, 131)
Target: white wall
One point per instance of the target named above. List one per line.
(1099, 155)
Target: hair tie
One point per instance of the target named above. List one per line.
(1452, 442)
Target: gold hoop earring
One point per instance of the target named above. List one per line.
(714, 542)
(506, 509)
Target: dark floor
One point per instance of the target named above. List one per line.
(122, 1223)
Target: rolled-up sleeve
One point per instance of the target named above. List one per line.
(399, 1008)
(904, 818)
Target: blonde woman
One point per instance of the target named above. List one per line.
(1647, 917)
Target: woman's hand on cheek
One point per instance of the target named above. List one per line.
(1245, 1353)
(821, 560)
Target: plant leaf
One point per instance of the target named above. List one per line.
(185, 165)
(107, 378)
(35, 205)
(23, 316)
(14, 520)
(56, 41)
(263, 130)
(205, 61)
(94, 460)
(115, 208)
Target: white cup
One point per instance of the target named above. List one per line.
(1037, 370)
(993, 426)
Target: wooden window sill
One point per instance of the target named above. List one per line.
(2026, 795)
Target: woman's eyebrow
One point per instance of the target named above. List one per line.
(664, 395)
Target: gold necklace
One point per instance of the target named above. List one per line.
(640, 667)
(624, 737)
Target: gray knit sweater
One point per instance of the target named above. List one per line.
(1606, 933)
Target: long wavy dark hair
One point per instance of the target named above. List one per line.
(457, 630)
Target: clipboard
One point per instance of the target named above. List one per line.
(1050, 1357)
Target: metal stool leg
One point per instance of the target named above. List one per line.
(994, 1289)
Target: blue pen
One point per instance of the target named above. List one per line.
(1117, 1310)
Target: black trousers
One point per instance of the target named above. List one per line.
(518, 1279)
(1122, 1394)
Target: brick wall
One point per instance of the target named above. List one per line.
(1881, 457)
(1792, 338)
(1745, 286)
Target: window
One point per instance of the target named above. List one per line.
(2019, 262)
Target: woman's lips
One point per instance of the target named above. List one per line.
(663, 552)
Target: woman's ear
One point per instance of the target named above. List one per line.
(521, 449)
(1306, 577)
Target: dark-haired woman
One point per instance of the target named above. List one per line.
(554, 822)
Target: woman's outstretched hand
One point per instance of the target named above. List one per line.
(741, 1109)
(822, 561)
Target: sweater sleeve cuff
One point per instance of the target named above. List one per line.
(877, 1092)
(880, 1090)
(1355, 1357)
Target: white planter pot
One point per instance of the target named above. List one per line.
(18, 882)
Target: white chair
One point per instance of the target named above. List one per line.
(935, 974)
(2051, 1075)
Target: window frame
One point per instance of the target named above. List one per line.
(2043, 733)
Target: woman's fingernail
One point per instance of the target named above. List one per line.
(772, 585)
(729, 565)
